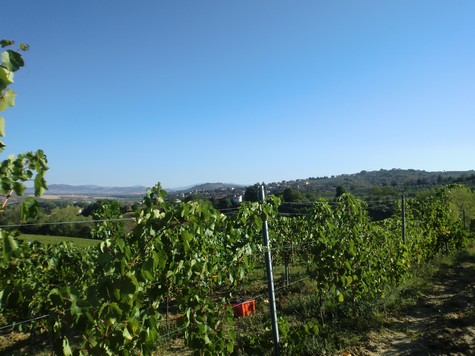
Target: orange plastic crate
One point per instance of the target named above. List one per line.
(244, 308)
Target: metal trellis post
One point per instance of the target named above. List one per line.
(403, 203)
(270, 278)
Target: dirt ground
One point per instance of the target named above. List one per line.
(442, 322)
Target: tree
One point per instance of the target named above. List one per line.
(224, 203)
(69, 222)
(289, 196)
(339, 191)
(92, 208)
(192, 197)
(292, 195)
(252, 193)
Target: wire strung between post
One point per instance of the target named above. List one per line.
(66, 222)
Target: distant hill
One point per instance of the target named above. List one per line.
(66, 190)
(380, 182)
(362, 183)
(207, 187)
(91, 190)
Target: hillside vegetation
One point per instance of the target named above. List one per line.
(382, 182)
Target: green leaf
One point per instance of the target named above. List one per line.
(41, 160)
(129, 284)
(6, 78)
(9, 245)
(7, 99)
(161, 257)
(2, 126)
(12, 60)
(79, 307)
(113, 309)
(5, 43)
(56, 297)
(352, 249)
(18, 188)
(230, 347)
(66, 348)
(147, 273)
(126, 334)
(341, 298)
(40, 185)
(29, 209)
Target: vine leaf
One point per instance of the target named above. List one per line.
(66, 348)
(9, 245)
(24, 46)
(29, 208)
(40, 185)
(6, 78)
(12, 60)
(7, 99)
(5, 43)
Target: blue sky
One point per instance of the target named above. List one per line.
(121, 93)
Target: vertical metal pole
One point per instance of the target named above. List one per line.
(270, 279)
(403, 219)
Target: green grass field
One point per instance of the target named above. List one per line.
(80, 242)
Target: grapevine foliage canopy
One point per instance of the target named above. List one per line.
(29, 166)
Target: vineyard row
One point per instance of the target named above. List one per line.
(191, 260)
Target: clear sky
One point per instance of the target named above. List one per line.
(121, 93)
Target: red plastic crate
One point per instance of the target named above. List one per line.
(244, 308)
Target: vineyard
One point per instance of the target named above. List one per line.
(175, 277)
(189, 278)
